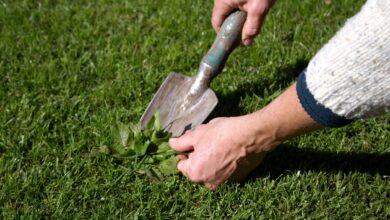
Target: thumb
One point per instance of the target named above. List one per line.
(252, 27)
(183, 143)
(220, 11)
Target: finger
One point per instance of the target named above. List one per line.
(183, 143)
(183, 167)
(189, 170)
(252, 25)
(182, 157)
(210, 186)
(220, 11)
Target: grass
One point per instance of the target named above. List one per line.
(70, 69)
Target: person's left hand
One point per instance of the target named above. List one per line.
(225, 149)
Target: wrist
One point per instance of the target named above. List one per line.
(280, 120)
(261, 132)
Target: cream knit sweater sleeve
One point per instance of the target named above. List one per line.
(350, 75)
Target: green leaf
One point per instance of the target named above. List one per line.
(168, 166)
(128, 153)
(117, 149)
(135, 129)
(157, 121)
(159, 137)
(150, 160)
(163, 147)
(147, 132)
(150, 124)
(124, 133)
(149, 147)
(141, 149)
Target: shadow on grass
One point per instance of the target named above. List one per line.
(289, 159)
(228, 104)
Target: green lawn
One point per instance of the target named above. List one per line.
(70, 69)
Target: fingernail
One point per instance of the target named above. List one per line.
(247, 42)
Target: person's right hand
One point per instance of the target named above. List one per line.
(228, 149)
(256, 12)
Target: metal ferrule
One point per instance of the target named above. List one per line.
(203, 79)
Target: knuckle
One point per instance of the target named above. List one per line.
(215, 120)
(188, 134)
(195, 178)
(251, 32)
(201, 127)
(198, 131)
(196, 174)
(259, 9)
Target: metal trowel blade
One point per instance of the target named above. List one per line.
(169, 101)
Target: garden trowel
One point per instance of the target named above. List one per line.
(184, 102)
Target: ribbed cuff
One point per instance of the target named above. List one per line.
(317, 111)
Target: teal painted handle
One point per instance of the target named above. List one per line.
(228, 38)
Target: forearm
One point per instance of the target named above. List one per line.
(281, 119)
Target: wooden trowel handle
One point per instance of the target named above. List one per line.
(228, 38)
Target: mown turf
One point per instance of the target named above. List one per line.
(70, 69)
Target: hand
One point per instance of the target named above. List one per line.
(256, 13)
(226, 149)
